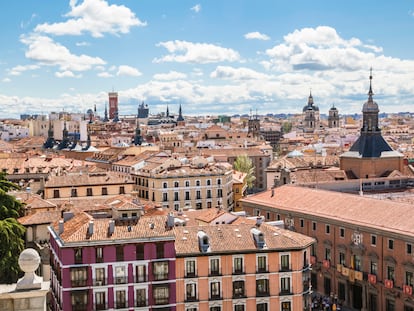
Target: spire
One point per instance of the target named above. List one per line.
(168, 112)
(310, 99)
(370, 93)
(137, 137)
(106, 114)
(180, 115)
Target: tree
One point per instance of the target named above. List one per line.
(11, 232)
(245, 165)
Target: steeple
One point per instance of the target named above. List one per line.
(106, 114)
(180, 115)
(370, 111)
(50, 141)
(168, 113)
(137, 137)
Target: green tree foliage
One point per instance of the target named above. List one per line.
(286, 127)
(245, 165)
(11, 232)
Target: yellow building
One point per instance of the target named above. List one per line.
(183, 184)
(239, 189)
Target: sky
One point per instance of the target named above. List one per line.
(213, 57)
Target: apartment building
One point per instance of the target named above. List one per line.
(364, 250)
(181, 183)
(106, 264)
(86, 185)
(242, 267)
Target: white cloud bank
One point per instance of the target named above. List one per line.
(256, 35)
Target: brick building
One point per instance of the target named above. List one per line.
(364, 250)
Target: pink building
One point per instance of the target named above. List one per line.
(101, 264)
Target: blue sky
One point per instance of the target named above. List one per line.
(213, 57)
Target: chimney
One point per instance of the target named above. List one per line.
(90, 228)
(170, 220)
(67, 216)
(111, 227)
(61, 226)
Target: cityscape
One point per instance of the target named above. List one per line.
(271, 175)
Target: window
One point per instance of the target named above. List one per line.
(198, 195)
(313, 226)
(327, 229)
(161, 294)
(208, 194)
(191, 292)
(238, 289)
(104, 191)
(389, 305)
(121, 190)
(390, 273)
(120, 275)
(176, 184)
(165, 196)
(237, 265)
(74, 193)
(160, 250)
(190, 267)
(197, 183)
(165, 185)
(214, 266)
(120, 299)
(176, 196)
(120, 253)
(262, 287)
(327, 254)
(342, 232)
(217, 308)
(409, 278)
(374, 267)
(357, 262)
(342, 258)
(139, 252)
(187, 195)
(89, 192)
(284, 263)
(218, 181)
(99, 276)
(100, 301)
(79, 300)
(187, 183)
(239, 308)
(409, 248)
(208, 182)
(284, 285)
(261, 264)
(141, 297)
(286, 306)
(56, 193)
(141, 273)
(261, 306)
(78, 255)
(373, 239)
(390, 244)
(78, 276)
(215, 290)
(99, 254)
(302, 223)
(219, 193)
(160, 269)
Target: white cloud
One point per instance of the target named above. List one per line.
(226, 72)
(202, 53)
(6, 80)
(172, 75)
(105, 75)
(17, 70)
(67, 74)
(47, 52)
(196, 8)
(83, 43)
(125, 70)
(256, 35)
(95, 17)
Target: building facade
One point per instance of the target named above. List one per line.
(363, 256)
(106, 264)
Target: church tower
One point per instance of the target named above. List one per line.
(254, 125)
(333, 118)
(370, 156)
(310, 115)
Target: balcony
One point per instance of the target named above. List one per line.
(238, 271)
(214, 272)
(215, 297)
(262, 293)
(78, 283)
(161, 300)
(262, 269)
(141, 303)
(191, 299)
(120, 280)
(79, 307)
(285, 268)
(190, 275)
(99, 282)
(141, 278)
(160, 276)
(120, 304)
(285, 292)
(100, 306)
(239, 294)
